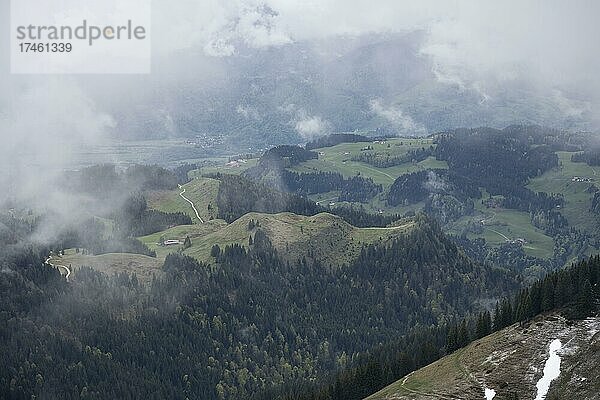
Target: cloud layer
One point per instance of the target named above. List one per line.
(480, 47)
(548, 40)
(400, 121)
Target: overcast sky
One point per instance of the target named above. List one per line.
(553, 42)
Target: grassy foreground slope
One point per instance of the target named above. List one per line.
(511, 362)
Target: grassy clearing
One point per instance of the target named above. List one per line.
(201, 191)
(180, 233)
(514, 225)
(501, 225)
(577, 199)
(338, 159)
(143, 266)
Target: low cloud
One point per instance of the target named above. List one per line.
(434, 183)
(307, 125)
(217, 27)
(568, 106)
(310, 126)
(401, 122)
(46, 124)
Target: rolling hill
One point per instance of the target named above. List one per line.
(324, 237)
(501, 225)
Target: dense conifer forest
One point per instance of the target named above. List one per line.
(574, 291)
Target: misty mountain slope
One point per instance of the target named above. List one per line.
(297, 91)
(440, 106)
(511, 362)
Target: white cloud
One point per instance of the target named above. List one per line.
(310, 126)
(398, 118)
(546, 43)
(216, 26)
(570, 107)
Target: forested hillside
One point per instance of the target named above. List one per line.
(252, 323)
(573, 292)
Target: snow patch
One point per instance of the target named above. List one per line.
(489, 394)
(551, 370)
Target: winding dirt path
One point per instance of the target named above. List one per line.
(427, 395)
(191, 203)
(57, 266)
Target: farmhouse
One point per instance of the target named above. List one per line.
(581, 179)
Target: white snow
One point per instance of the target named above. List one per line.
(551, 370)
(489, 394)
